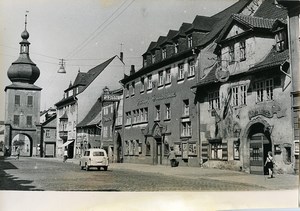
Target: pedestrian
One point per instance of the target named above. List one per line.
(172, 158)
(18, 153)
(65, 155)
(270, 164)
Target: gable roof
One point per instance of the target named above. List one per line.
(85, 79)
(182, 30)
(171, 34)
(50, 122)
(202, 23)
(93, 117)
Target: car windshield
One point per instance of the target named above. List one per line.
(98, 153)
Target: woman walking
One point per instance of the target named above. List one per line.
(269, 164)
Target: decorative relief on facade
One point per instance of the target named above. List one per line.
(156, 98)
(267, 110)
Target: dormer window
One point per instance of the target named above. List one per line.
(281, 41)
(164, 53)
(176, 47)
(153, 58)
(145, 62)
(190, 41)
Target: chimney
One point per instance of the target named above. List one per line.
(121, 56)
(132, 70)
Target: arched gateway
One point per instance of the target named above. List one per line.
(259, 142)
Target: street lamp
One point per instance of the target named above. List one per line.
(62, 66)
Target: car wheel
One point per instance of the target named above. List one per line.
(105, 168)
(86, 167)
(98, 168)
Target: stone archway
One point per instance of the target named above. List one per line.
(23, 142)
(256, 144)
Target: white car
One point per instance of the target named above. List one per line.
(94, 158)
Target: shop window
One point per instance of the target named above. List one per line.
(216, 151)
(192, 149)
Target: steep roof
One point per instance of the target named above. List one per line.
(85, 79)
(171, 34)
(93, 117)
(268, 9)
(202, 23)
(254, 22)
(50, 122)
(183, 28)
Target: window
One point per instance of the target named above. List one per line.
(133, 88)
(186, 108)
(47, 133)
(190, 41)
(176, 47)
(180, 71)
(231, 54)
(148, 149)
(168, 75)
(192, 149)
(134, 117)
(191, 71)
(186, 129)
(264, 90)
(145, 62)
(239, 95)
(236, 150)
(216, 151)
(29, 121)
(281, 43)
(149, 82)
(17, 100)
(168, 111)
(105, 132)
(242, 51)
(214, 100)
(29, 101)
(128, 118)
(142, 84)
(146, 114)
(105, 110)
(16, 120)
(157, 116)
(160, 78)
(164, 53)
(153, 58)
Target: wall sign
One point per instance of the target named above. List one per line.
(110, 97)
(267, 110)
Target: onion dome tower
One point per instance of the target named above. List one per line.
(22, 105)
(23, 69)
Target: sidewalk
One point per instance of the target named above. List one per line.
(280, 182)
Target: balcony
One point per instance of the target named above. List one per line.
(63, 134)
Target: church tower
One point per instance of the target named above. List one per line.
(22, 104)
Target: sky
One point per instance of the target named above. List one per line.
(86, 33)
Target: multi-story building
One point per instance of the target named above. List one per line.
(159, 107)
(49, 135)
(244, 100)
(22, 104)
(78, 99)
(101, 128)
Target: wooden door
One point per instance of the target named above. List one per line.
(256, 157)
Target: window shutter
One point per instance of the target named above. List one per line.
(205, 146)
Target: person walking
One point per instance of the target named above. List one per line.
(172, 158)
(270, 164)
(18, 153)
(65, 155)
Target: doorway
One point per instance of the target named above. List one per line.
(260, 145)
(158, 157)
